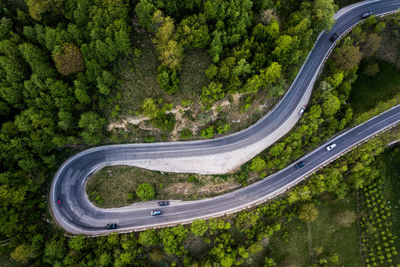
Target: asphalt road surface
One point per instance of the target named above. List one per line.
(77, 215)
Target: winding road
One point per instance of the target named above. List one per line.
(78, 216)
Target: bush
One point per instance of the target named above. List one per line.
(167, 79)
(164, 122)
(145, 191)
(258, 164)
(192, 179)
(185, 134)
(208, 132)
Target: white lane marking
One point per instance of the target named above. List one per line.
(377, 124)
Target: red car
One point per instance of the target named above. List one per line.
(59, 202)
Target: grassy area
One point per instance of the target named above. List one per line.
(111, 186)
(389, 163)
(329, 234)
(368, 90)
(138, 75)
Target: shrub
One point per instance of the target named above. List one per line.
(258, 164)
(192, 179)
(167, 79)
(145, 191)
(185, 134)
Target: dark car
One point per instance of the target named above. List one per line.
(334, 37)
(163, 203)
(366, 14)
(155, 212)
(299, 165)
(112, 226)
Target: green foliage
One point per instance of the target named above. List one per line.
(22, 254)
(185, 134)
(144, 11)
(308, 213)
(92, 124)
(199, 227)
(323, 12)
(148, 238)
(77, 242)
(193, 31)
(172, 239)
(150, 108)
(192, 179)
(208, 132)
(145, 191)
(212, 93)
(347, 57)
(167, 79)
(170, 51)
(330, 105)
(258, 164)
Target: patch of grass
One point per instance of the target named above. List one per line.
(115, 186)
(291, 247)
(192, 76)
(367, 91)
(138, 77)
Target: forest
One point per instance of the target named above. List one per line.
(61, 63)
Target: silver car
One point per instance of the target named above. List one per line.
(330, 147)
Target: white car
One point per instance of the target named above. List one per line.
(330, 147)
(302, 110)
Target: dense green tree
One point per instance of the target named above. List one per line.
(193, 31)
(172, 239)
(371, 45)
(69, 59)
(330, 105)
(199, 227)
(347, 57)
(258, 164)
(144, 11)
(77, 242)
(148, 238)
(323, 12)
(22, 254)
(92, 125)
(169, 50)
(37, 60)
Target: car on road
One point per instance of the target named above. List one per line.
(330, 147)
(299, 165)
(366, 14)
(334, 37)
(302, 110)
(59, 202)
(112, 226)
(163, 203)
(155, 212)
